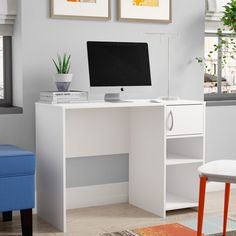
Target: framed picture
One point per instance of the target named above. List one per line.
(81, 9)
(145, 10)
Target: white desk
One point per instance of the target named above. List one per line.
(165, 142)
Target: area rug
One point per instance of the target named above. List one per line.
(161, 230)
(212, 227)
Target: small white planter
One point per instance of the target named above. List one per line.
(63, 81)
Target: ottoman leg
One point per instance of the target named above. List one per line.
(7, 216)
(26, 222)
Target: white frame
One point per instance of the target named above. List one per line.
(152, 14)
(99, 11)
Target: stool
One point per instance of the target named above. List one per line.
(216, 171)
(17, 185)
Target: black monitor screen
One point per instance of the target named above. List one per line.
(118, 64)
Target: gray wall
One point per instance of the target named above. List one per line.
(43, 37)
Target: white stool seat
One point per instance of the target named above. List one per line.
(220, 171)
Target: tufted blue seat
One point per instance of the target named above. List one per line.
(17, 184)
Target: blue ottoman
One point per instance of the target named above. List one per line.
(17, 185)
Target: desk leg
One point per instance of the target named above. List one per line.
(50, 149)
(147, 159)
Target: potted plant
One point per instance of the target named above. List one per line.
(226, 45)
(63, 78)
(229, 17)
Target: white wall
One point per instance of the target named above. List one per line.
(42, 38)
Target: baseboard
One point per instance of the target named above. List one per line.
(97, 195)
(214, 187)
(106, 194)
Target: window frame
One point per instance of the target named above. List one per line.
(219, 96)
(7, 72)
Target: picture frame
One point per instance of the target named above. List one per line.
(156, 11)
(81, 9)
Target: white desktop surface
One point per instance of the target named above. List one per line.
(127, 103)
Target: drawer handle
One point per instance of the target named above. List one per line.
(172, 121)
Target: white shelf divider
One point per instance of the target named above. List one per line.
(174, 202)
(184, 136)
(176, 159)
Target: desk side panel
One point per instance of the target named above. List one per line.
(147, 159)
(50, 165)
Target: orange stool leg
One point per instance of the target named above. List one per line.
(201, 203)
(226, 207)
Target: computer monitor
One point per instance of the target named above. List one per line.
(114, 66)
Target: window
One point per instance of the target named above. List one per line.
(220, 75)
(5, 71)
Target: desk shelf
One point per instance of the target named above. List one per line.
(184, 155)
(182, 184)
(176, 159)
(185, 150)
(175, 202)
(184, 136)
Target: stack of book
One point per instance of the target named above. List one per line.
(55, 97)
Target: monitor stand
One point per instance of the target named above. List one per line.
(112, 97)
(169, 98)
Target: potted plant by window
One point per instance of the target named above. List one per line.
(229, 17)
(227, 43)
(63, 78)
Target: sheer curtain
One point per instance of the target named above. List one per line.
(8, 11)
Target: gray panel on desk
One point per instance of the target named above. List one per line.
(87, 171)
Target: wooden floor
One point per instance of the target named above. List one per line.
(94, 220)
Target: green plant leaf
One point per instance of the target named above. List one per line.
(68, 70)
(57, 68)
(67, 64)
(63, 63)
(60, 64)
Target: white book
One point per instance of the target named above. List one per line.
(64, 97)
(62, 101)
(64, 94)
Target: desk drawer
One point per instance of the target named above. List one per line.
(185, 119)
